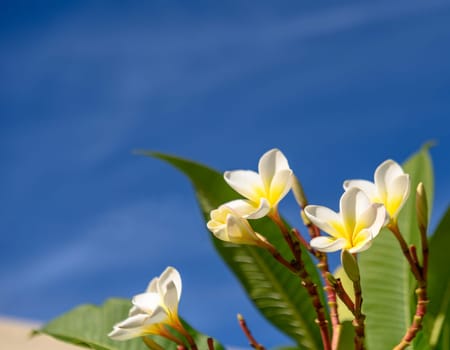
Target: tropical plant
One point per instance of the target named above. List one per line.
(392, 291)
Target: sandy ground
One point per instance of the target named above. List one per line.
(15, 335)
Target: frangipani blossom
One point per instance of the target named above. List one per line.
(353, 228)
(265, 189)
(152, 309)
(390, 187)
(228, 225)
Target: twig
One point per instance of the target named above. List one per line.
(314, 231)
(164, 332)
(320, 310)
(151, 344)
(252, 341)
(277, 256)
(275, 216)
(413, 251)
(305, 244)
(342, 294)
(299, 269)
(331, 298)
(416, 325)
(186, 334)
(358, 322)
(420, 273)
(324, 269)
(415, 269)
(210, 342)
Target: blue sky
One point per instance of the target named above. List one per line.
(338, 87)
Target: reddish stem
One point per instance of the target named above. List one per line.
(420, 273)
(252, 341)
(210, 342)
(298, 267)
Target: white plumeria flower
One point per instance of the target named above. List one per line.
(353, 228)
(150, 310)
(390, 187)
(263, 190)
(228, 225)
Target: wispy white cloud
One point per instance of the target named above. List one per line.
(140, 233)
(146, 62)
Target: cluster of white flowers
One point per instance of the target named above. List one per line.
(365, 207)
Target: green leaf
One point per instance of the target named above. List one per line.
(276, 292)
(88, 326)
(344, 313)
(346, 339)
(438, 310)
(388, 285)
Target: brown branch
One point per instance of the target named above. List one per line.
(297, 266)
(252, 341)
(305, 244)
(329, 290)
(420, 274)
(275, 217)
(151, 344)
(331, 298)
(277, 256)
(180, 327)
(311, 288)
(210, 342)
(415, 258)
(358, 322)
(342, 294)
(415, 269)
(416, 325)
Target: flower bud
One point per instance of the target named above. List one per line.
(421, 207)
(350, 265)
(299, 194)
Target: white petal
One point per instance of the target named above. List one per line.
(133, 321)
(352, 204)
(243, 208)
(221, 234)
(280, 186)
(361, 242)
(367, 218)
(151, 288)
(245, 182)
(324, 218)
(134, 311)
(137, 325)
(270, 163)
(171, 298)
(262, 210)
(239, 231)
(159, 316)
(170, 275)
(125, 334)
(147, 302)
(385, 173)
(398, 193)
(218, 219)
(328, 244)
(367, 187)
(379, 221)
(215, 226)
